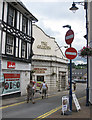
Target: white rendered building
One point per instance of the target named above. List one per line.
(48, 62)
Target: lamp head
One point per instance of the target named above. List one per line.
(74, 8)
(68, 26)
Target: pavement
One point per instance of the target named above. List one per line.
(85, 113)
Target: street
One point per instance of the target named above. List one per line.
(42, 106)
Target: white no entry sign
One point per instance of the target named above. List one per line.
(69, 36)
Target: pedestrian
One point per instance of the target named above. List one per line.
(44, 88)
(74, 86)
(30, 92)
(34, 88)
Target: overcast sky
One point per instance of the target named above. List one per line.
(53, 14)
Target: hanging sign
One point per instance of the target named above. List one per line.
(69, 36)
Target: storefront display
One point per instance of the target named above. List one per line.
(10, 83)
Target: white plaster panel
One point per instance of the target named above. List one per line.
(19, 48)
(17, 20)
(3, 42)
(1, 8)
(20, 22)
(16, 47)
(5, 12)
(28, 27)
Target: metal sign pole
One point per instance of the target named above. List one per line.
(70, 92)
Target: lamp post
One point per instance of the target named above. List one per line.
(74, 8)
(70, 92)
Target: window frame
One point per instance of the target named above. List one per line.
(11, 17)
(24, 25)
(23, 49)
(9, 44)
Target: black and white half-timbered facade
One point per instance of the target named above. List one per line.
(16, 46)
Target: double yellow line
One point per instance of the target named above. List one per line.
(48, 113)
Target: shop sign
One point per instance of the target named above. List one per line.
(11, 64)
(10, 83)
(40, 70)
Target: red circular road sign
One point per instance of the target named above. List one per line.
(71, 53)
(69, 36)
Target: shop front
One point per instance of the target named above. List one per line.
(14, 77)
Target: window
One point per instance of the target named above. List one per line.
(40, 78)
(23, 49)
(11, 16)
(24, 25)
(10, 44)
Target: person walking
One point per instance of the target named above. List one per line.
(74, 86)
(30, 92)
(34, 88)
(44, 88)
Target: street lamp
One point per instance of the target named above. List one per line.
(74, 8)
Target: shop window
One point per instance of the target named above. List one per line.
(23, 49)
(40, 78)
(10, 44)
(24, 24)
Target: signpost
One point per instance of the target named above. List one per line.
(69, 36)
(70, 53)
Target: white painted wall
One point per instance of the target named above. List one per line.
(55, 51)
(90, 44)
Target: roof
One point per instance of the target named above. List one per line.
(22, 8)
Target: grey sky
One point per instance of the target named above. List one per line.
(53, 14)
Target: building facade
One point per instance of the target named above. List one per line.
(16, 46)
(48, 62)
(90, 44)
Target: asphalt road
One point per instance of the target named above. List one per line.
(42, 106)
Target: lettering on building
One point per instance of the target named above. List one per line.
(43, 46)
(40, 70)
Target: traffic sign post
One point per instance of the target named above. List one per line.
(70, 53)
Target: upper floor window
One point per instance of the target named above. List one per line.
(10, 44)
(11, 16)
(24, 24)
(23, 49)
